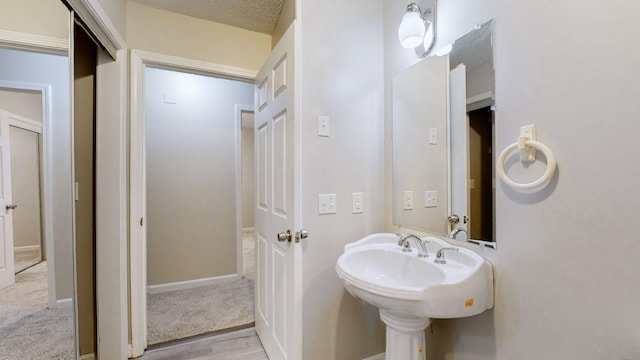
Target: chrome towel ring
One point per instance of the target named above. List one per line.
(524, 144)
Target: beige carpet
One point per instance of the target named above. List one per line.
(179, 314)
(28, 329)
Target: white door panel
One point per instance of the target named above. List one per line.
(7, 276)
(275, 141)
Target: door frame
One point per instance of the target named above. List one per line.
(46, 167)
(138, 242)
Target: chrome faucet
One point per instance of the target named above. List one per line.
(440, 255)
(406, 247)
(454, 234)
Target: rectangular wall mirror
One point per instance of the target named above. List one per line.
(443, 125)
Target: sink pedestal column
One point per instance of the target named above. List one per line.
(405, 336)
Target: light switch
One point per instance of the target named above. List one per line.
(430, 198)
(357, 203)
(433, 136)
(323, 126)
(326, 204)
(407, 200)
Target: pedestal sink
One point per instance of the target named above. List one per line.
(409, 290)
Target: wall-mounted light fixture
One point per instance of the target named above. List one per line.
(418, 29)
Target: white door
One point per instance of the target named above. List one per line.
(277, 305)
(7, 276)
(459, 144)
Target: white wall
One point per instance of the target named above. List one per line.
(566, 273)
(248, 191)
(174, 34)
(27, 103)
(116, 11)
(25, 187)
(341, 73)
(40, 17)
(191, 139)
(52, 70)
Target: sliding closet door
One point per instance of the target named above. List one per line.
(85, 54)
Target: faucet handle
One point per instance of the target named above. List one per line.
(440, 255)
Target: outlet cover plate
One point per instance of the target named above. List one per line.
(357, 200)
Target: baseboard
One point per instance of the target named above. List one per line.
(64, 303)
(26, 248)
(380, 356)
(248, 229)
(91, 356)
(190, 284)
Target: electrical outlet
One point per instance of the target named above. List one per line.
(357, 200)
(326, 204)
(430, 198)
(407, 200)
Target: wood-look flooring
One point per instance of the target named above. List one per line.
(236, 345)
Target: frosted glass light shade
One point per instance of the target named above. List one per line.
(411, 30)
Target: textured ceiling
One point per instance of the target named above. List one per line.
(255, 15)
(474, 48)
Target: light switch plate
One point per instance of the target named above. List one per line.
(170, 98)
(433, 136)
(357, 200)
(407, 200)
(326, 204)
(430, 198)
(324, 126)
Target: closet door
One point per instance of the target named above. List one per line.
(84, 73)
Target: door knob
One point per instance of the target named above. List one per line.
(301, 235)
(454, 219)
(285, 236)
(11, 207)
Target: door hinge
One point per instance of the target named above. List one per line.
(141, 221)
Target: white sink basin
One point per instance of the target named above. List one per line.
(376, 270)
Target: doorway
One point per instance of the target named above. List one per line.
(193, 151)
(481, 187)
(25, 118)
(25, 183)
(34, 91)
